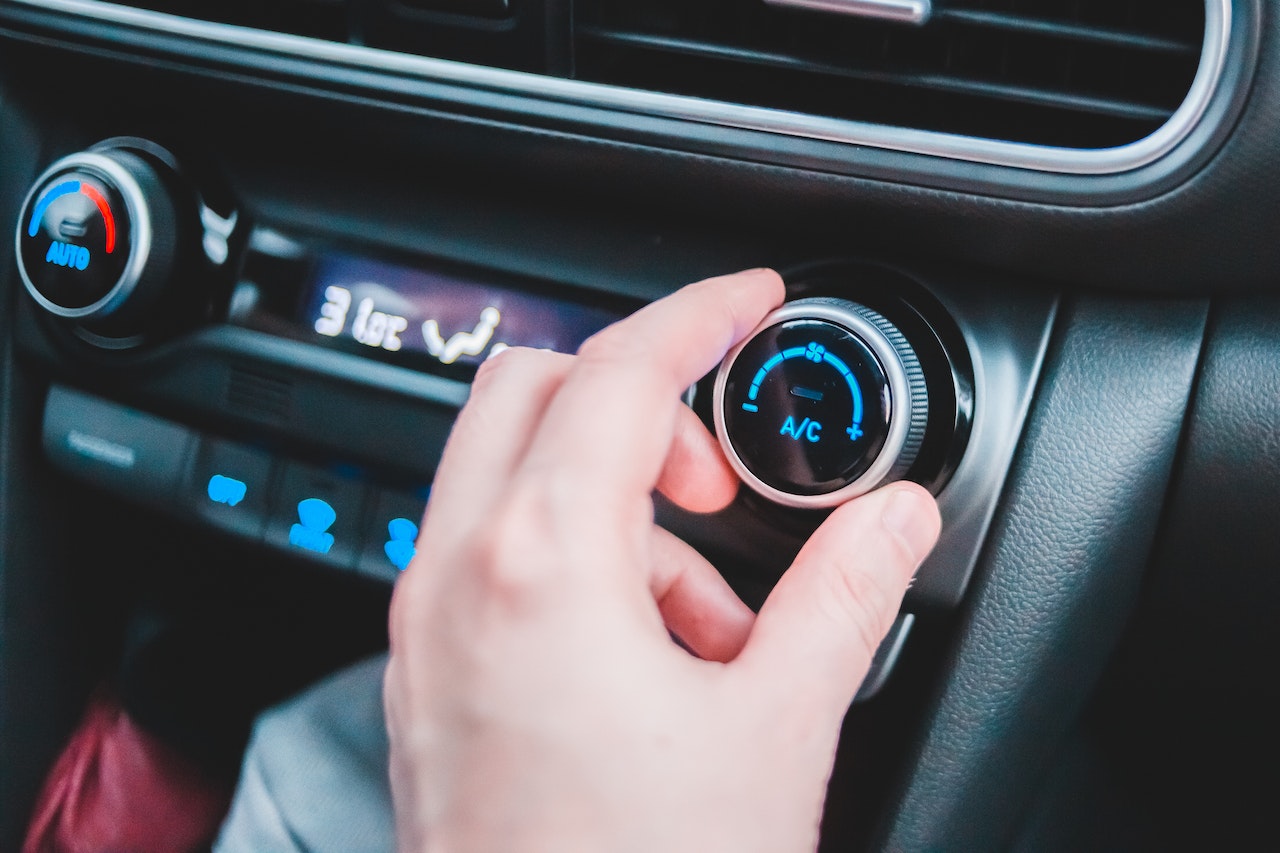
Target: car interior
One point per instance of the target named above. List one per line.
(262, 246)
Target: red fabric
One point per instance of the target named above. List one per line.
(116, 788)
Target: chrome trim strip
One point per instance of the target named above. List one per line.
(903, 11)
(1076, 161)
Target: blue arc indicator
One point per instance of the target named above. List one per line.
(817, 353)
(69, 188)
(55, 193)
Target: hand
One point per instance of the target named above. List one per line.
(535, 700)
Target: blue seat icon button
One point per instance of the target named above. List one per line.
(317, 513)
(311, 532)
(226, 490)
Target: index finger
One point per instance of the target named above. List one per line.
(612, 422)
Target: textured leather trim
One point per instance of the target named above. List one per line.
(1061, 570)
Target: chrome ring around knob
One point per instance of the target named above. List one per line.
(784, 395)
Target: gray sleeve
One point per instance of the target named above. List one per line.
(314, 778)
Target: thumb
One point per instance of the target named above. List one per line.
(819, 629)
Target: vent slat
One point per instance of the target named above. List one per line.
(326, 19)
(1039, 96)
(1075, 32)
(264, 398)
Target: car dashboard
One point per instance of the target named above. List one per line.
(307, 222)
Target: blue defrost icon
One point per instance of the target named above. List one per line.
(315, 517)
(400, 548)
(226, 490)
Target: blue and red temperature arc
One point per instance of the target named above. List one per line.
(67, 188)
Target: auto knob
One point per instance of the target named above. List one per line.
(825, 400)
(97, 239)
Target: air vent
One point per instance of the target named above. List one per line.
(265, 398)
(1070, 73)
(1088, 87)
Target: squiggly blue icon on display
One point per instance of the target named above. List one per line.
(226, 490)
(400, 548)
(311, 533)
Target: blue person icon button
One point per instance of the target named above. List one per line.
(311, 533)
(807, 429)
(400, 547)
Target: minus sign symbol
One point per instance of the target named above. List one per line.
(806, 393)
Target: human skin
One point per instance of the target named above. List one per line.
(535, 698)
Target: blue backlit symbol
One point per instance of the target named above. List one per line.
(311, 533)
(399, 547)
(67, 255)
(226, 490)
(809, 430)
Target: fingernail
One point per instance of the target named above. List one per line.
(909, 516)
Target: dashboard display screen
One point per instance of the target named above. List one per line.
(443, 318)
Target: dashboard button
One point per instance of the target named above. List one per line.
(115, 447)
(317, 513)
(392, 534)
(228, 486)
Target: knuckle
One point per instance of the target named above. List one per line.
(509, 561)
(729, 314)
(864, 600)
(608, 346)
(900, 557)
(720, 310)
(634, 363)
(519, 361)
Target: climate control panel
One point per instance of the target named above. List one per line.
(297, 377)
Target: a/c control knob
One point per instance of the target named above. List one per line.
(96, 239)
(824, 401)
